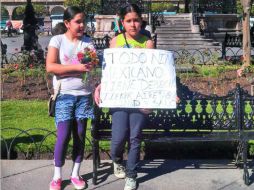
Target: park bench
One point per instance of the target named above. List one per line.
(197, 118)
(101, 43)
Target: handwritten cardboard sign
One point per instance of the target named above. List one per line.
(138, 78)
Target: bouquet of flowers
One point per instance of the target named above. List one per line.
(89, 55)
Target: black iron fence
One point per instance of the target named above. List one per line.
(216, 6)
(32, 143)
(200, 7)
(233, 41)
(231, 52)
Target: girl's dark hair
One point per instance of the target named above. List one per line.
(128, 9)
(70, 12)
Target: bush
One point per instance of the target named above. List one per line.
(24, 64)
(160, 7)
(251, 147)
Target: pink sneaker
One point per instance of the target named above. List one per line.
(79, 182)
(55, 185)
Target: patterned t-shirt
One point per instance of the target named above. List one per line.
(68, 55)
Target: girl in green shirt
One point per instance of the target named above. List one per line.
(127, 123)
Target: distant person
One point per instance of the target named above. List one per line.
(4, 52)
(241, 72)
(59, 28)
(118, 27)
(144, 31)
(9, 28)
(3, 48)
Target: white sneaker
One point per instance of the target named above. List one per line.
(119, 170)
(130, 184)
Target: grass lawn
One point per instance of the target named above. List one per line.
(25, 115)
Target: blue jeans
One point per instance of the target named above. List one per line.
(127, 126)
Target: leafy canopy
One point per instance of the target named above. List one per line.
(38, 9)
(89, 6)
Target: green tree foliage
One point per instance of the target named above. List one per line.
(240, 8)
(252, 8)
(20, 10)
(73, 2)
(159, 7)
(89, 6)
(38, 8)
(4, 13)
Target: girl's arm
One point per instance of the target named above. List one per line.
(113, 43)
(53, 65)
(97, 95)
(149, 44)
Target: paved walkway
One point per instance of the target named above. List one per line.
(154, 175)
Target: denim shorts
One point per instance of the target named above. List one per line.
(69, 107)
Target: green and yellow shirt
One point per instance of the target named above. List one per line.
(140, 43)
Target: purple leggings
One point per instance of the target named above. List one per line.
(64, 129)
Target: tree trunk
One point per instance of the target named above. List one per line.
(246, 32)
(186, 6)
